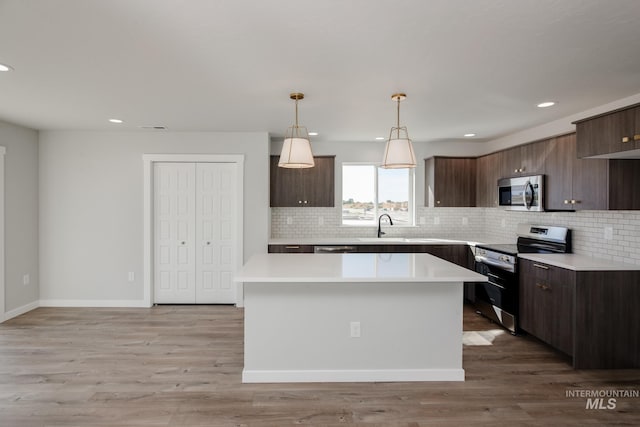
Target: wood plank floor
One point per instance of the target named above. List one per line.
(181, 366)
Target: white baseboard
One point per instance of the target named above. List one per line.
(18, 311)
(355, 375)
(116, 303)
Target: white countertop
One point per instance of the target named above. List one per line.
(354, 267)
(380, 241)
(580, 262)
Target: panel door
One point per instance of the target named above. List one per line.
(216, 224)
(174, 231)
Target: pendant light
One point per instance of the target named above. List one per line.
(399, 151)
(296, 150)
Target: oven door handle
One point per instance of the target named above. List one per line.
(494, 276)
(495, 264)
(496, 285)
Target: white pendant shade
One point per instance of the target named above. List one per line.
(399, 154)
(296, 150)
(296, 153)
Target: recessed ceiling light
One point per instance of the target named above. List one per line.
(313, 133)
(469, 135)
(379, 138)
(4, 67)
(115, 120)
(546, 104)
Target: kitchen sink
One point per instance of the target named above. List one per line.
(382, 239)
(427, 240)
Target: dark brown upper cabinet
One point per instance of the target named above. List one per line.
(523, 160)
(450, 182)
(310, 187)
(588, 184)
(489, 171)
(610, 133)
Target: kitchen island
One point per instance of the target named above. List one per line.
(353, 317)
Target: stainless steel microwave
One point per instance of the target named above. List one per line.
(522, 193)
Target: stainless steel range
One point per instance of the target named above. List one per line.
(498, 299)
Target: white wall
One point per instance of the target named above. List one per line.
(91, 207)
(21, 217)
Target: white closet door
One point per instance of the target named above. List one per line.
(216, 221)
(175, 232)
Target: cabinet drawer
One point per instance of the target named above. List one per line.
(290, 249)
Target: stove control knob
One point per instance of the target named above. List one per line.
(504, 258)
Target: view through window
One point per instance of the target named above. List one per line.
(369, 191)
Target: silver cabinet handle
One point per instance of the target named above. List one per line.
(544, 267)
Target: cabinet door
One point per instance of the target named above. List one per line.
(559, 294)
(488, 173)
(303, 187)
(546, 303)
(609, 133)
(511, 162)
(531, 303)
(558, 169)
(319, 182)
(572, 183)
(533, 157)
(636, 127)
(285, 185)
(590, 184)
(450, 182)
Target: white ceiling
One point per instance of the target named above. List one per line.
(229, 65)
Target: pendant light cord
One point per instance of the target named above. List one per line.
(398, 128)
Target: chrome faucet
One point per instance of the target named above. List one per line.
(380, 232)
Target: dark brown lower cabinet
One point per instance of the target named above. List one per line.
(590, 315)
(607, 320)
(546, 303)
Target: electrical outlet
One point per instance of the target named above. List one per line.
(436, 220)
(423, 220)
(608, 233)
(26, 279)
(320, 220)
(289, 220)
(355, 329)
(132, 276)
(465, 220)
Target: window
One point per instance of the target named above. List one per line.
(369, 191)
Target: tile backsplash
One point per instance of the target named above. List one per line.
(612, 235)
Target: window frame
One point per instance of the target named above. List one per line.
(411, 208)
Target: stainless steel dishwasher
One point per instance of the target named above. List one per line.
(339, 249)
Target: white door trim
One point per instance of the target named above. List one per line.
(3, 308)
(148, 160)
